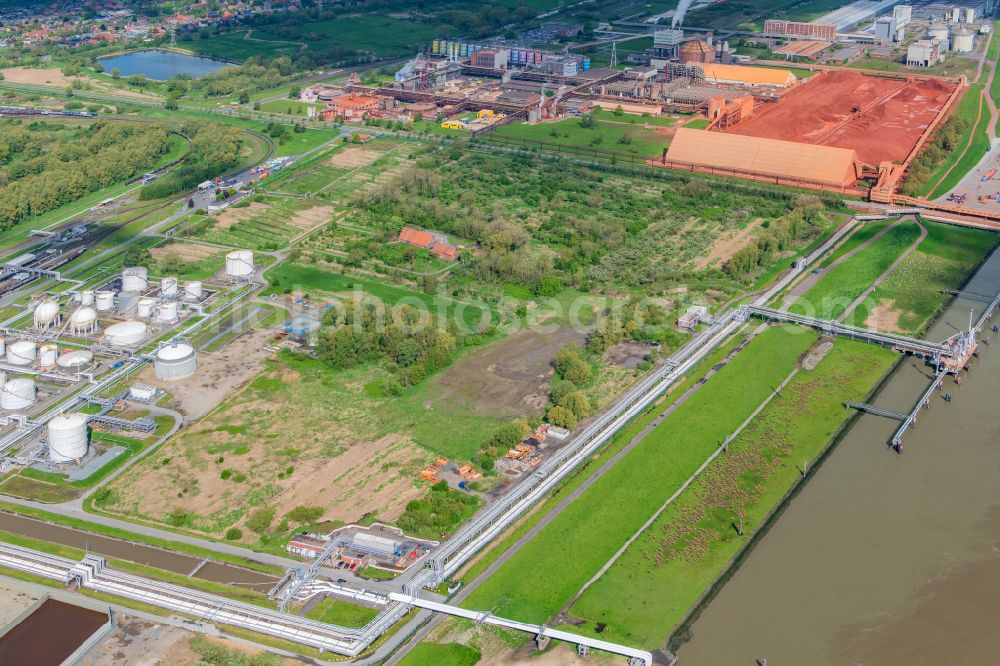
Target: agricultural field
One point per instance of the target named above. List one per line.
(627, 134)
(380, 36)
(562, 557)
(260, 223)
(240, 45)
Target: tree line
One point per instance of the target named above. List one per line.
(215, 149)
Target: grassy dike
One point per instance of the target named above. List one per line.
(664, 573)
(548, 571)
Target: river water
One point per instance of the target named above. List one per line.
(882, 558)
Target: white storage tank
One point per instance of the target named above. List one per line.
(144, 309)
(67, 438)
(47, 314)
(126, 333)
(168, 287)
(83, 320)
(86, 298)
(239, 263)
(135, 279)
(104, 301)
(3, 345)
(193, 290)
(75, 360)
(18, 393)
(47, 355)
(963, 41)
(21, 352)
(175, 362)
(166, 313)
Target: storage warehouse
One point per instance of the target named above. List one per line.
(773, 158)
(757, 77)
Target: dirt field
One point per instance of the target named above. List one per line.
(311, 217)
(726, 246)
(12, 603)
(218, 375)
(884, 317)
(233, 216)
(185, 251)
(53, 77)
(509, 378)
(353, 157)
(880, 118)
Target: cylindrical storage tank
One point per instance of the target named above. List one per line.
(239, 263)
(167, 312)
(104, 301)
(175, 362)
(3, 346)
(18, 393)
(193, 290)
(46, 314)
(963, 41)
(74, 361)
(135, 279)
(938, 31)
(144, 310)
(168, 287)
(126, 333)
(86, 298)
(67, 437)
(47, 355)
(83, 320)
(21, 352)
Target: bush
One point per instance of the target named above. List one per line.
(261, 519)
(234, 534)
(305, 514)
(177, 517)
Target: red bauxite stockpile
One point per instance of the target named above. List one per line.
(894, 114)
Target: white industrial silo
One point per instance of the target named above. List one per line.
(47, 355)
(67, 437)
(22, 352)
(47, 314)
(86, 298)
(239, 263)
(175, 362)
(166, 313)
(135, 279)
(3, 345)
(168, 287)
(126, 333)
(104, 301)
(963, 41)
(75, 361)
(193, 290)
(83, 321)
(18, 394)
(144, 310)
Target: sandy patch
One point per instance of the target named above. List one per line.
(726, 246)
(311, 217)
(218, 375)
(369, 477)
(12, 603)
(353, 157)
(816, 354)
(53, 77)
(184, 251)
(137, 642)
(885, 317)
(232, 216)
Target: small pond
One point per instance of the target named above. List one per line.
(161, 65)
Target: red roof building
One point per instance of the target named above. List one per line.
(427, 241)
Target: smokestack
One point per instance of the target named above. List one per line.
(679, 13)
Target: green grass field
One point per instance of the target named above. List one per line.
(383, 36)
(235, 46)
(838, 288)
(651, 588)
(544, 575)
(441, 654)
(960, 163)
(343, 613)
(622, 134)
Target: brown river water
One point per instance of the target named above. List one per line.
(882, 558)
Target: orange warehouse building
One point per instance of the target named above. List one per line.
(757, 77)
(771, 158)
(350, 106)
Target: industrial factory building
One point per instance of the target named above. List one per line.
(797, 29)
(782, 161)
(755, 77)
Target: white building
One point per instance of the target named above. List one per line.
(890, 29)
(923, 53)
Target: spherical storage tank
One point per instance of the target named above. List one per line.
(18, 393)
(963, 41)
(46, 314)
(21, 352)
(168, 287)
(125, 333)
(76, 360)
(175, 362)
(135, 279)
(193, 290)
(67, 437)
(145, 308)
(239, 263)
(104, 301)
(83, 320)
